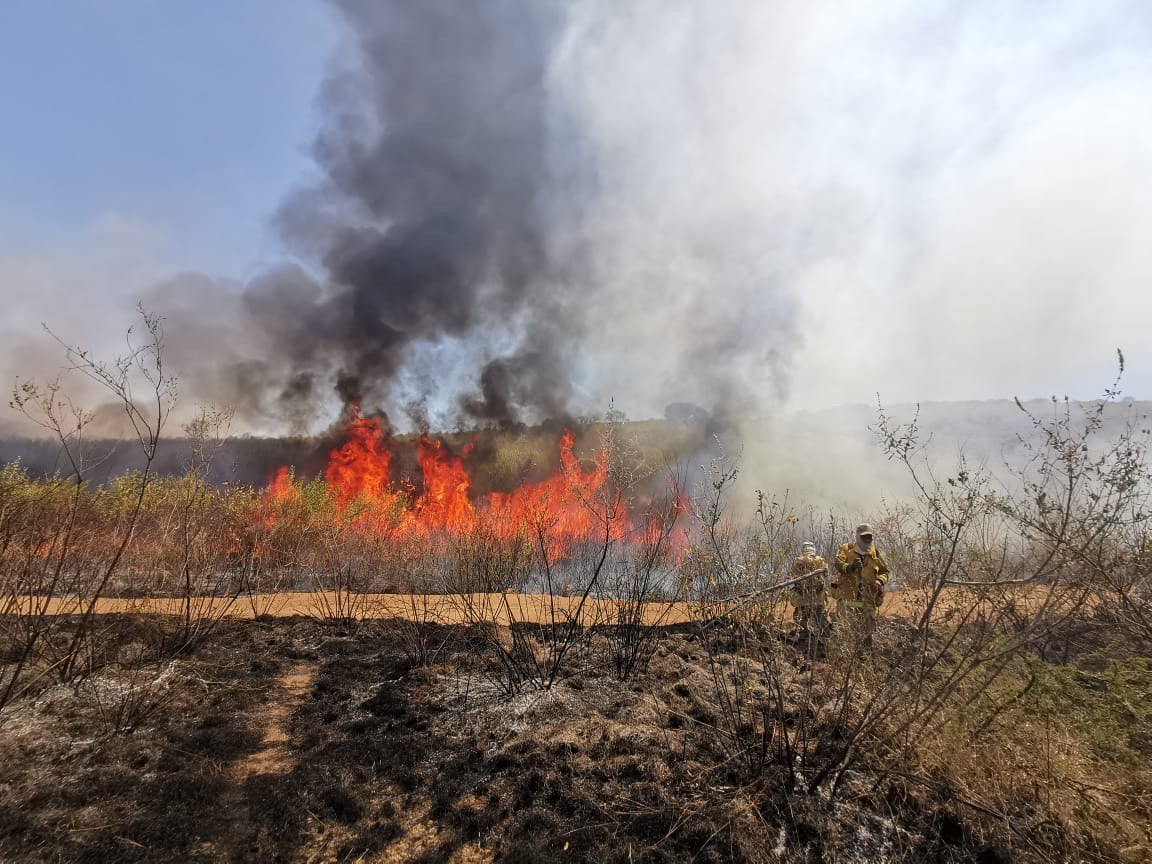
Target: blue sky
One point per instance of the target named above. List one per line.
(192, 118)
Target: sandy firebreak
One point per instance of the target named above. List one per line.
(447, 609)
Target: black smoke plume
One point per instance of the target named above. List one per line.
(523, 212)
(429, 221)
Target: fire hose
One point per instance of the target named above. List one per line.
(737, 603)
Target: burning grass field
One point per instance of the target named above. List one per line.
(403, 659)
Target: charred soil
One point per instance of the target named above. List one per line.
(297, 740)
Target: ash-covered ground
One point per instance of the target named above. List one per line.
(300, 740)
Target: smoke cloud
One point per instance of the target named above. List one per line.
(430, 222)
(482, 247)
(525, 208)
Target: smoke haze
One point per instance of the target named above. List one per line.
(524, 209)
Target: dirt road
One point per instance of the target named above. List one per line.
(445, 609)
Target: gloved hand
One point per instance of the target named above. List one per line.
(856, 566)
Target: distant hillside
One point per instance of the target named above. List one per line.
(498, 458)
(243, 460)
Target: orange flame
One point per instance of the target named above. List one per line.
(573, 505)
(566, 507)
(444, 503)
(281, 488)
(360, 468)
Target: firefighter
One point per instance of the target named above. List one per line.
(862, 574)
(808, 595)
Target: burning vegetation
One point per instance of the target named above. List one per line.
(626, 647)
(360, 480)
(478, 650)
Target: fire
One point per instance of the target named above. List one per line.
(281, 488)
(444, 503)
(568, 506)
(573, 505)
(360, 469)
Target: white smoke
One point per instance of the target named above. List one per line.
(930, 200)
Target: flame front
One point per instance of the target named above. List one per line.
(444, 504)
(572, 505)
(360, 469)
(282, 488)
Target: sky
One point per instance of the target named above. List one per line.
(930, 200)
(185, 122)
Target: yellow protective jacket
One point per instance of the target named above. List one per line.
(810, 592)
(863, 584)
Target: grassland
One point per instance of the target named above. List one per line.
(207, 672)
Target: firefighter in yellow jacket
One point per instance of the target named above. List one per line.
(808, 595)
(862, 574)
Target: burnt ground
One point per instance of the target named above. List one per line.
(295, 740)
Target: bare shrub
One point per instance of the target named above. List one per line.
(1005, 568)
(536, 640)
(79, 555)
(640, 591)
(38, 551)
(273, 536)
(341, 573)
(191, 536)
(422, 612)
